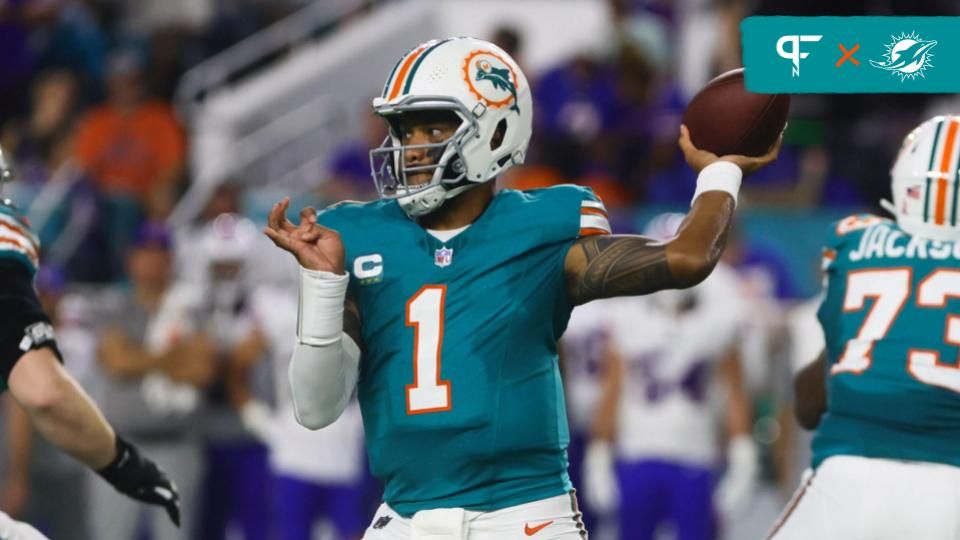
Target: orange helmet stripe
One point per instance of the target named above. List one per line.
(945, 159)
(404, 69)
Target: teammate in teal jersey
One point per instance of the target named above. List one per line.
(456, 296)
(56, 405)
(884, 397)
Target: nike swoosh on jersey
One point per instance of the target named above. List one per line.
(530, 531)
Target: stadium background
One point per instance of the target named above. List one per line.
(241, 102)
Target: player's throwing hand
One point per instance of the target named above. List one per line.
(315, 247)
(697, 159)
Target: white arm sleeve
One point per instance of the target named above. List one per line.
(322, 380)
(325, 363)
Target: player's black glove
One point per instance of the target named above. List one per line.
(139, 478)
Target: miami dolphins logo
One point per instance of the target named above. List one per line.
(907, 56)
(491, 79)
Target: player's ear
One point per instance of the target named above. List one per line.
(498, 134)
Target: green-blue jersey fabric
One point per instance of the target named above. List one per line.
(17, 241)
(497, 291)
(899, 403)
(18, 244)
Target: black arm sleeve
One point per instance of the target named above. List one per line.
(23, 324)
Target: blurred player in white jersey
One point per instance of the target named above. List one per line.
(215, 299)
(582, 349)
(656, 448)
(318, 475)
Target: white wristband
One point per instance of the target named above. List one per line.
(320, 318)
(719, 176)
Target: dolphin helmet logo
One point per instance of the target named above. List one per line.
(493, 80)
(907, 56)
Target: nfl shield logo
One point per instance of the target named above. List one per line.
(443, 257)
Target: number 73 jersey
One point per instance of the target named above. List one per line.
(891, 318)
(459, 385)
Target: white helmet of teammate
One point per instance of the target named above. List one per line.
(228, 238)
(226, 244)
(484, 86)
(925, 180)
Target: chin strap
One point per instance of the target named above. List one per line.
(430, 199)
(423, 202)
(888, 206)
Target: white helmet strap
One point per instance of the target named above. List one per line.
(428, 200)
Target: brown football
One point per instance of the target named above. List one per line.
(725, 118)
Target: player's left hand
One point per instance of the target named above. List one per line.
(600, 482)
(11, 529)
(258, 420)
(736, 487)
(697, 159)
(139, 478)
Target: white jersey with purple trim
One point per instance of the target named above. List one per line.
(583, 345)
(332, 455)
(668, 343)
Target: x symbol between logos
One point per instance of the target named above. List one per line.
(848, 55)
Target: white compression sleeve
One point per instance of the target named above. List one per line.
(320, 319)
(322, 380)
(325, 364)
(719, 176)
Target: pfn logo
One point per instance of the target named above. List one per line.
(794, 54)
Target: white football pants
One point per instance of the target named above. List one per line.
(556, 518)
(858, 498)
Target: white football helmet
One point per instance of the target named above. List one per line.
(485, 88)
(226, 245)
(925, 180)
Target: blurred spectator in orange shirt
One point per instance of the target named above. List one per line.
(129, 145)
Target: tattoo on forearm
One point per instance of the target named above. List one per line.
(620, 266)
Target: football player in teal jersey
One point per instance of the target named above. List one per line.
(442, 302)
(58, 408)
(884, 397)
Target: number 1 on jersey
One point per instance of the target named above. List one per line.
(425, 314)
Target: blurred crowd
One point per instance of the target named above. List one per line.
(183, 335)
(88, 117)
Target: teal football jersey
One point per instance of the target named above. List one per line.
(893, 381)
(459, 384)
(17, 241)
(19, 244)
